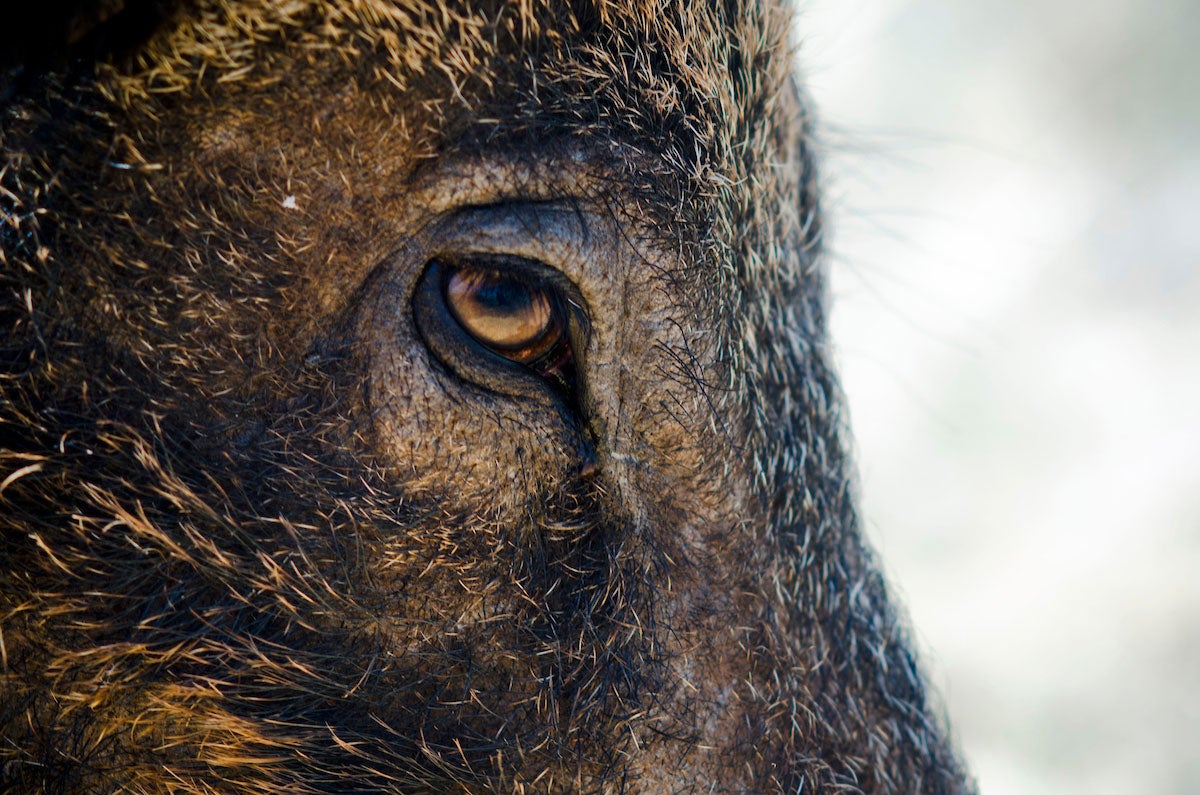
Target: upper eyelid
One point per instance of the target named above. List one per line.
(555, 237)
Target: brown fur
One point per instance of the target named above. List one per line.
(258, 538)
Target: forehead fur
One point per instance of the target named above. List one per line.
(704, 85)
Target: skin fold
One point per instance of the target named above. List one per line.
(272, 520)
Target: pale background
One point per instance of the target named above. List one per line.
(1014, 203)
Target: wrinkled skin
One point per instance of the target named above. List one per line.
(270, 523)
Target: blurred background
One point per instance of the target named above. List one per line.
(1014, 204)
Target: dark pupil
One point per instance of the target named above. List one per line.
(503, 297)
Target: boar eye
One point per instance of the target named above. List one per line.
(505, 313)
(515, 315)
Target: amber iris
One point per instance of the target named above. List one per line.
(504, 312)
